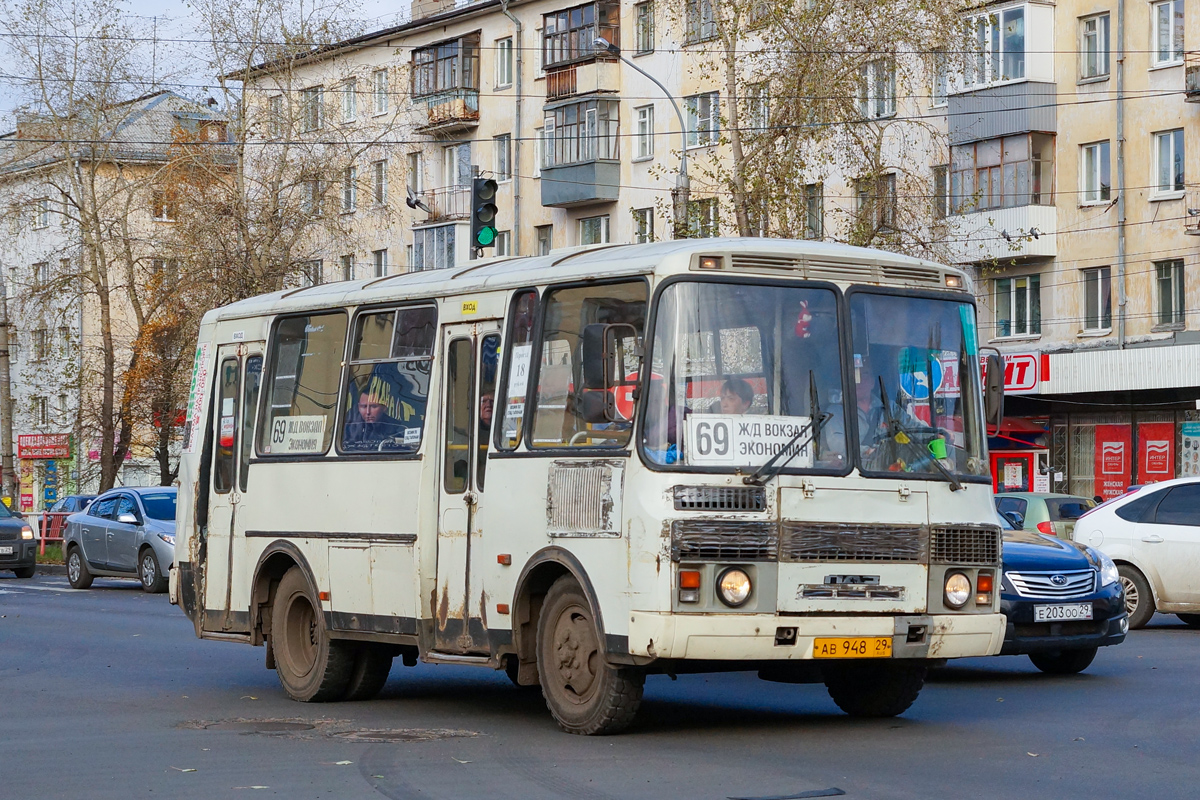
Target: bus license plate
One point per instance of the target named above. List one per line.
(857, 647)
(6, 551)
(1059, 613)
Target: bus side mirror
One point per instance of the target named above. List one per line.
(595, 366)
(604, 358)
(993, 391)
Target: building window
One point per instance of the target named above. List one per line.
(349, 100)
(1170, 291)
(1002, 173)
(940, 85)
(643, 14)
(41, 212)
(312, 108)
(64, 340)
(347, 263)
(876, 202)
(545, 239)
(163, 205)
(568, 35)
(998, 51)
(593, 230)
(349, 189)
(703, 119)
(310, 196)
(380, 262)
(41, 274)
(379, 91)
(165, 270)
(504, 243)
(41, 341)
(504, 62)
(311, 272)
(643, 225)
(700, 20)
(702, 219)
(1093, 46)
(416, 173)
(450, 165)
(1097, 299)
(814, 211)
(581, 132)
(645, 132)
(1095, 180)
(433, 248)
(877, 89)
(1168, 33)
(1018, 306)
(503, 148)
(1168, 161)
(758, 107)
(40, 411)
(379, 182)
(275, 121)
(446, 67)
(941, 191)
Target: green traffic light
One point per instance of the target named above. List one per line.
(485, 236)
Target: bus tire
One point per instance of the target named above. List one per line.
(370, 673)
(874, 690)
(585, 694)
(312, 668)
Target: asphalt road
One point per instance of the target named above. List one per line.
(105, 693)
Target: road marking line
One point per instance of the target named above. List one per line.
(51, 588)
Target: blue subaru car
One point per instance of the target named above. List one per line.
(1063, 601)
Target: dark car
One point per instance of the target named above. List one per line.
(71, 504)
(18, 546)
(124, 533)
(1063, 601)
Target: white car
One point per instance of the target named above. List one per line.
(1153, 535)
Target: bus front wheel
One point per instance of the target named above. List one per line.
(311, 667)
(585, 694)
(875, 689)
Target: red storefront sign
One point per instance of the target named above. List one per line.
(1023, 372)
(1156, 451)
(1113, 444)
(44, 445)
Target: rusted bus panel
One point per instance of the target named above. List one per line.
(583, 498)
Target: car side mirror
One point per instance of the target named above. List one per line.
(993, 391)
(1015, 519)
(127, 519)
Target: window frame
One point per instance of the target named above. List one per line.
(379, 262)
(502, 157)
(1102, 52)
(1101, 277)
(1178, 293)
(643, 121)
(605, 229)
(312, 109)
(506, 347)
(643, 28)
(988, 54)
(699, 21)
(504, 63)
(698, 136)
(349, 189)
(1175, 48)
(1030, 320)
(1092, 189)
(703, 218)
(877, 88)
(643, 225)
(380, 88)
(350, 100)
(589, 138)
(379, 182)
(1178, 152)
(563, 41)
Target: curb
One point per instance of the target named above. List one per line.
(51, 569)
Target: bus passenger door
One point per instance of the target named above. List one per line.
(239, 372)
(470, 355)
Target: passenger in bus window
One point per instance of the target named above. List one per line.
(370, 427)
(737, 395)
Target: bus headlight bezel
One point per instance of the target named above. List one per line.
(739, 589)
(956, 596)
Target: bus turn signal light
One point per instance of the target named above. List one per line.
(983, 589)
(689, 586)
(505, 559)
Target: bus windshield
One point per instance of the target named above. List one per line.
(741, 370)
(916, 385)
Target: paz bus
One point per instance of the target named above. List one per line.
(598, 464)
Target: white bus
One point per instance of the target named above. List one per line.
(581, 468)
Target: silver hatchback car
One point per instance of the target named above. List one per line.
(124, 533)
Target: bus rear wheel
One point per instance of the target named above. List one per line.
(312, 668)
(874, 689)
(585, 694)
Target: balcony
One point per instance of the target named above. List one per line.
(447, 203)
(581, 184)
(1004, 234)
(1191, 76)
(577, 79)
(450, 111)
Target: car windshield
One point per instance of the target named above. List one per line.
(160, 505)
(916, 385)
(738, 371)
(4, 512)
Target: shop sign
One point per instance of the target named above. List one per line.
(27, 501)
(1156, 451)
(1023, 372)
(1189, 444)
(44, 445)
(1112, 460)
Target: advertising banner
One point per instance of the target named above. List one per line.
(1113, 462)
(1189, 450)
(44, 445)
(1156, 451)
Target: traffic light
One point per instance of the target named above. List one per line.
(483, 212)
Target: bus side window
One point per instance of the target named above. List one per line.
(250, 383)
(225, 458)
(519, 348)
(302, 387)
(460, 376)
(488, 358)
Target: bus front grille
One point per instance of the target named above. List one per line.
(720, 498)
(849, 541)
(723, 540)
(965, 544)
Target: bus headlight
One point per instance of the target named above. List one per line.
(733, 587)
(958, 589)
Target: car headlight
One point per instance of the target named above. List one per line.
(958, 589)
(169, 538)
(1108, 570)
(733, 587)
(26, 532)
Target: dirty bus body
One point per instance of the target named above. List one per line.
(704, 455)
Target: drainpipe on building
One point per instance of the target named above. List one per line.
(519, 41)
(8, 476)
(1121, 299)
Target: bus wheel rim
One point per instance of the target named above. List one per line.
(577, 658)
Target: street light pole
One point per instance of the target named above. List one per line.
(683, 187)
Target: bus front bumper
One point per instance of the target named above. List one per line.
(755, 637)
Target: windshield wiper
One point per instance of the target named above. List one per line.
(770, 469)
(899, 434)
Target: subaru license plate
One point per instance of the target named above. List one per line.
(1062, 613)
(6, 551)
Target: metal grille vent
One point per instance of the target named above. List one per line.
(720, 498)
(965, 544)
(9, 534)
(924, 276)
(580, 500)
(723, 540)
(838, 541)
(764, 262)
(1042, 586)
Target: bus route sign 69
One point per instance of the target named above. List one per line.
(721, 440)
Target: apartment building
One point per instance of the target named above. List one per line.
(1073, 133)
